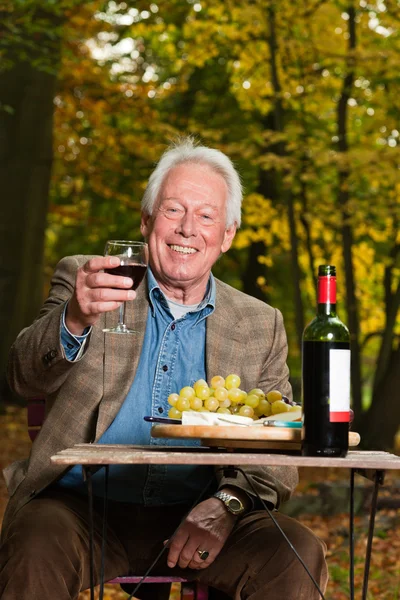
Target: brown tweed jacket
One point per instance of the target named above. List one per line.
(243, 336)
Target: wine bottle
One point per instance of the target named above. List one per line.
(326, 375)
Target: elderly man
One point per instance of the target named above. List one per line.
(98, 386)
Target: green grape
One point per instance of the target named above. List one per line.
(198, 383)
(257, 392)
(174, 413)
(221, 393)
(173, 399)
(217, 381)
(235, 396)
(211, 404)
(234, 409)
(279, 407)
(232, 381)
(196, 403)
(246, 411)
(183, 404)
(187, 392)
(203, 392)
(223, 410)
(294, 408)
(224, 403)
(274, 396)
(252, 400)
(263, 409)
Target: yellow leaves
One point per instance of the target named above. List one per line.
(265, 260)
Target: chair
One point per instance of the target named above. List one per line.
(189, 590)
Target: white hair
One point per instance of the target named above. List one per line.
(185, 150)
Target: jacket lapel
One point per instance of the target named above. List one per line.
(121, 358)
(223, 336)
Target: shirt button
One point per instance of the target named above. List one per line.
(160, 410)
(165, 368)
(172, 326)
(70, 346)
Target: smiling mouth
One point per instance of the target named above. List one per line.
(182, 249)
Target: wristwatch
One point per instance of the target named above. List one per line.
(232, 503)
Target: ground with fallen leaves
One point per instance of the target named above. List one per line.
(384, 581)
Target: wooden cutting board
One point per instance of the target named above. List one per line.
(231, 436)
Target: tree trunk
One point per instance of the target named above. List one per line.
(288, 197)
(379, 425)
(296, 271)
(253, 271)
(392, 305)
(271, 186)
(347, 234)
(25, 166)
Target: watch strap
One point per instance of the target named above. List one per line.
(227, 500)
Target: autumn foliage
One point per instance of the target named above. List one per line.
(302, 95)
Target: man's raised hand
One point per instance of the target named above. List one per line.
(96, 292)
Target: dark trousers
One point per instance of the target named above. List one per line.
(46, 552)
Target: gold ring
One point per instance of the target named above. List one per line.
(203, 554)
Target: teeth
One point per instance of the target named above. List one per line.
(183, 249)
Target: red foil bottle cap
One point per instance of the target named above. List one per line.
(326, 289)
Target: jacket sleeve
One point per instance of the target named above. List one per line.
(37, 364)
(275, 485)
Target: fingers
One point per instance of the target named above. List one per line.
(101, 262)
(105, 280)
(198, 563)
(176, 545)
(185, 551)
(109, 295)
(92, 275)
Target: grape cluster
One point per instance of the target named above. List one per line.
(225, 396)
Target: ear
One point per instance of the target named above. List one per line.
(145, 224)
(228, 238)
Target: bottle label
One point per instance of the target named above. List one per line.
(326, 290)
(339, 385)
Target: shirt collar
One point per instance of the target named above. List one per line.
(156, 295)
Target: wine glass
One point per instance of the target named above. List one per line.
(133, 257)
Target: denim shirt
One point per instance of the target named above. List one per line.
(173, 356)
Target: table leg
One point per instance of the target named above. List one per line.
(351, 539)
(378, 480)
(104, 535)
(87, 470)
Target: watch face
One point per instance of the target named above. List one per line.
(235, 505)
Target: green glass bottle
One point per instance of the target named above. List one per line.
(326, 375)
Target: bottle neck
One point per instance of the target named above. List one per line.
(327, 309)
(326, 295)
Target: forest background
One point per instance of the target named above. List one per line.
(303, 96)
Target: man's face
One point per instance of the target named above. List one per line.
(186, 232)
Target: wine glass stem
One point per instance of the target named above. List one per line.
(121, 321)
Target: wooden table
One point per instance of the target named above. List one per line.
(369, 464)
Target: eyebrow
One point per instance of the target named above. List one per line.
(205, 205)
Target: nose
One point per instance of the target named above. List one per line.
(187, 225)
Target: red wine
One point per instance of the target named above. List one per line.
(326, 375)
(134, 271)
(326, 431)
